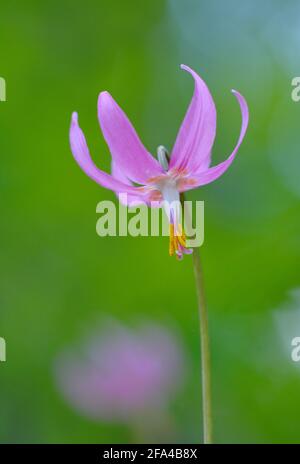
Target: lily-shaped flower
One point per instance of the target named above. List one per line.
(143, 178)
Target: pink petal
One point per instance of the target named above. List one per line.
(213, 173)
(129, 199)
(192, 149)
(82, 156)
(124, 144)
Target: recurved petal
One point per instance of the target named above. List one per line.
(213, 173)
(192, 148)
(82, 156)
(125, 146)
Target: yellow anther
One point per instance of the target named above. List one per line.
(182, 240)
(177, 239)
(172, 241)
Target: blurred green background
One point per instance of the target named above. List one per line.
(58, 276)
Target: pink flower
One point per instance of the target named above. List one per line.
(121, 374)
(162, 179)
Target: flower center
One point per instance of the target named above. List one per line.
(173, 208)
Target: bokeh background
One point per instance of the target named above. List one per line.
(58, 277)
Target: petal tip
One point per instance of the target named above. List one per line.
(75, 117)
(243, 103)
(104, 94)
(104, 99)
(185, 67)
(237, 94)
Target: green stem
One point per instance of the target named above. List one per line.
(205, 352)
(204, 340)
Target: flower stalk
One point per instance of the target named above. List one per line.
(204, 337)
(205, 350)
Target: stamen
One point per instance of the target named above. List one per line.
(172, 242)
(177, 243)
(173, 208)
(163, 157)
